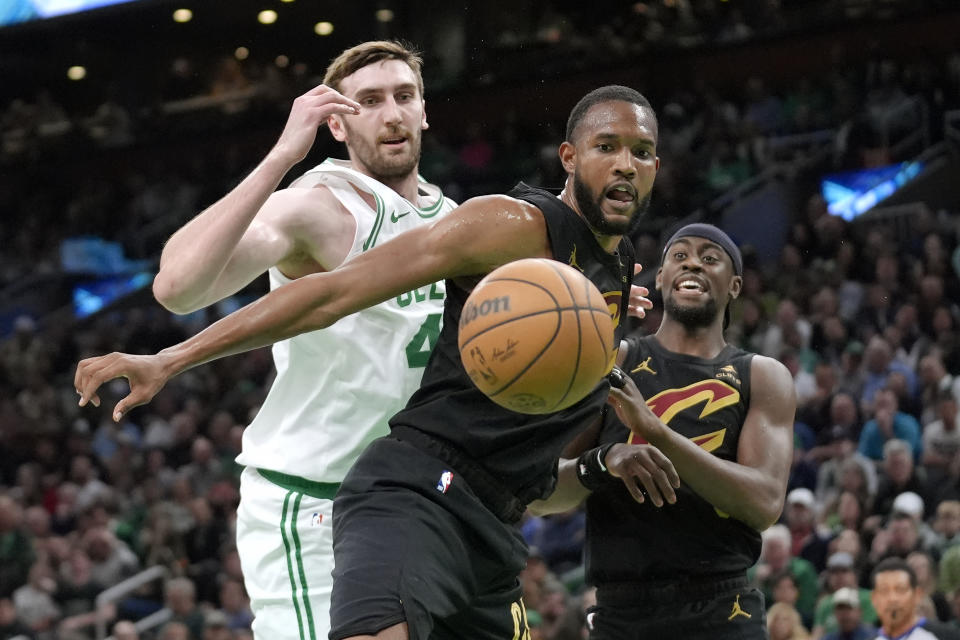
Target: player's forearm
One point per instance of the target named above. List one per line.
(737, 490)
(302, 306)
(568, 493)
(195, 256)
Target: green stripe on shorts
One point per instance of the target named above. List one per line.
(303, 576)
(321, 490)
(286, 544)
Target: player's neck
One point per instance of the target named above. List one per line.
(701, 342)
(406, 186)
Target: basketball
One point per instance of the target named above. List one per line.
(536, 336)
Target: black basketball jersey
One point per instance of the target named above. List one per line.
(705, 401)
(521, 450)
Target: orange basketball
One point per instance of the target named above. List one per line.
(536, 336)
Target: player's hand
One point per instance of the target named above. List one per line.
(632, 409)
(309, 111)
(644, 464)
(639, 303)
(145, 374)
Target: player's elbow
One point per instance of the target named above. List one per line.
(171, 295)
(767, 513)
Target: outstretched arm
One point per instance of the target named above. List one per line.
(752, 489)
(477, 237)
(222, 249)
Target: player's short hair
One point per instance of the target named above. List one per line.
(604, 94)
(893, 564)
(367, 53)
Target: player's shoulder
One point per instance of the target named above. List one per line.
(298, 200)
(767, 374)
(501, 205)
(305, 211)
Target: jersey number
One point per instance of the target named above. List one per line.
(423, 342)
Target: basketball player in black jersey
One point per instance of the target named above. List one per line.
(424, 539)
(669, 558)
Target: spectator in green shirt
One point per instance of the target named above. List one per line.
(840, 574)
(775, 557)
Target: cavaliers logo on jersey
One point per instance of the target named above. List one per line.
(614, 300)
(713, 394)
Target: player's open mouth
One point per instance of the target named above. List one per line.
(621, 196)
(394, 141)
(691, 286)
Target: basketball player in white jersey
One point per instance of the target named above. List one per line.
(335, 388)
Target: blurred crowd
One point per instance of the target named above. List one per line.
(863, 315)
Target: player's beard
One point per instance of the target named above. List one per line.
(592, 210)
(691, 316)
(380, 165)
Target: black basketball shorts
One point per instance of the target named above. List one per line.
(413, 543)
(732, 611)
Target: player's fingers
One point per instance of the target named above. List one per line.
(673, 478)
(661, 479)
(133, 400)
(634, 489)
(334, 98)
(629, 389)
(89, 377)
(636, 312)
(637, 268)
(345, 109)
(320, 89)
(648, 481)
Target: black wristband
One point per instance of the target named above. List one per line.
(591, 470)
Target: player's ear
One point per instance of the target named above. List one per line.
(657, 280)
(568, 156)
(736, 285)
(424, 125)
(336, 128)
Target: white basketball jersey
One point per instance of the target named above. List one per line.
(336, 388)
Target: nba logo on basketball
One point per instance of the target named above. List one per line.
(445, 479)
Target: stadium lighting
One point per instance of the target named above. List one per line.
(282, 61)
(77, 72)
(182, 15)
(241, 53)
(267, 16)
(384, 15)
(323, 28)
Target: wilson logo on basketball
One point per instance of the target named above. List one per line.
(472, 311)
